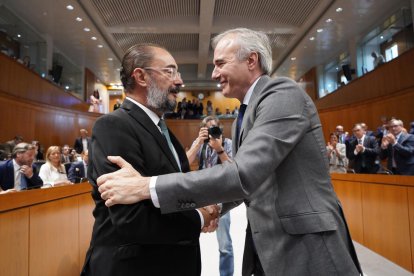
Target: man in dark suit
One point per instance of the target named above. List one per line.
(77, 171)
(82, 143)
(295, 221)
(19, 172)
(136, 239)
(362, 151)
(398, 147)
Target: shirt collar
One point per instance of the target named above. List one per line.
(15, 165)
(153, 116)
(249, 93)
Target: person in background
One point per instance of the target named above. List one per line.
(363, 151)
(19, 173)
(53, 172)
(339, 131)
(39, 151)
(95, 102)
(82, 143)
(336, 155)
(210, 151)
(378, 59)
(117, 104)
(398, 147)
(66, 157)
(78, 170)
(9, 145)
(209, 108)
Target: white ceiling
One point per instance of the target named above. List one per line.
(185, 27)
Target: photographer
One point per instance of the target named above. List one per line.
(210, 148)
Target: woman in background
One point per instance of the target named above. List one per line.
(336, 155)
(53, 172)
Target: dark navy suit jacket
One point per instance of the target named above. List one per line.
(76, 171)
(7, 176)
(403, 154)
(363, 162)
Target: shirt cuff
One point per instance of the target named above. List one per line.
(153, 192)
(201, 218)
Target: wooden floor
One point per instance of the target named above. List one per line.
(372, 263)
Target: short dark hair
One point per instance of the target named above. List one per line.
(21, 148)
(138, 56)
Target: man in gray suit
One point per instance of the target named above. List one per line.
(280, 170)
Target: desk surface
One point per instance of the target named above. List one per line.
(26, 198)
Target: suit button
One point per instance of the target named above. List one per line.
(193, 205)
(187, 205)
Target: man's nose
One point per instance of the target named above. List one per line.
(215, 75)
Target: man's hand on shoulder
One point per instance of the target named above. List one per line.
(125, 186)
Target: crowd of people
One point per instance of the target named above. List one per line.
(387, 150)
(194, 109)
(26, 166)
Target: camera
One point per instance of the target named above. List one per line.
(214, 131)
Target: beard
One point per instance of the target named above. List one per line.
(157, 99)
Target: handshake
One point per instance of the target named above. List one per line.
(211, 216)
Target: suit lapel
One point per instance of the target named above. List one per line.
(252, 106)
(145, 121)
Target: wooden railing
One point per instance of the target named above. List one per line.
(380, 213)
(45, 231)
(388, 90)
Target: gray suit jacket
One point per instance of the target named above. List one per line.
(281, 171)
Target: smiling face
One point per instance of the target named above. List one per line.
(233, 74)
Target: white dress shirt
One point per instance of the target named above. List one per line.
(50, 175)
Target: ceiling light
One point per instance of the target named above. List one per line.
(382, 37)
(328, 20)
(183, 85)
(312, 38)
(110, 59)
(339, 9)
(19, 35)
(319, 30)
(218, 85)
(69, 7)
(100, 46)
(79, 19)
(66, 87)
(93, 38)
(86, 29)
(293, 58)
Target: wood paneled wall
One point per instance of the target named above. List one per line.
(388, 90)
(37, 109)
(379, 210)
(45, 231)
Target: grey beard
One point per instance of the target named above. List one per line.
(157, 99)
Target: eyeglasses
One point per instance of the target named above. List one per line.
(171, 72)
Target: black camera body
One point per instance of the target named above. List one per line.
(215, 132)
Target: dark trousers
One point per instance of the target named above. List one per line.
(251, 262)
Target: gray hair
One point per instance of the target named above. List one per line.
(22, 148)
(138, 56)
(250, 41)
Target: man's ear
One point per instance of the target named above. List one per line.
(140, 77)
(252, 60)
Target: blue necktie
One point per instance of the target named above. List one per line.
(23, 182)
(164, 131)
(239, 123)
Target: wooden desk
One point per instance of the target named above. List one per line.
(380, 213)
(45, 231)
